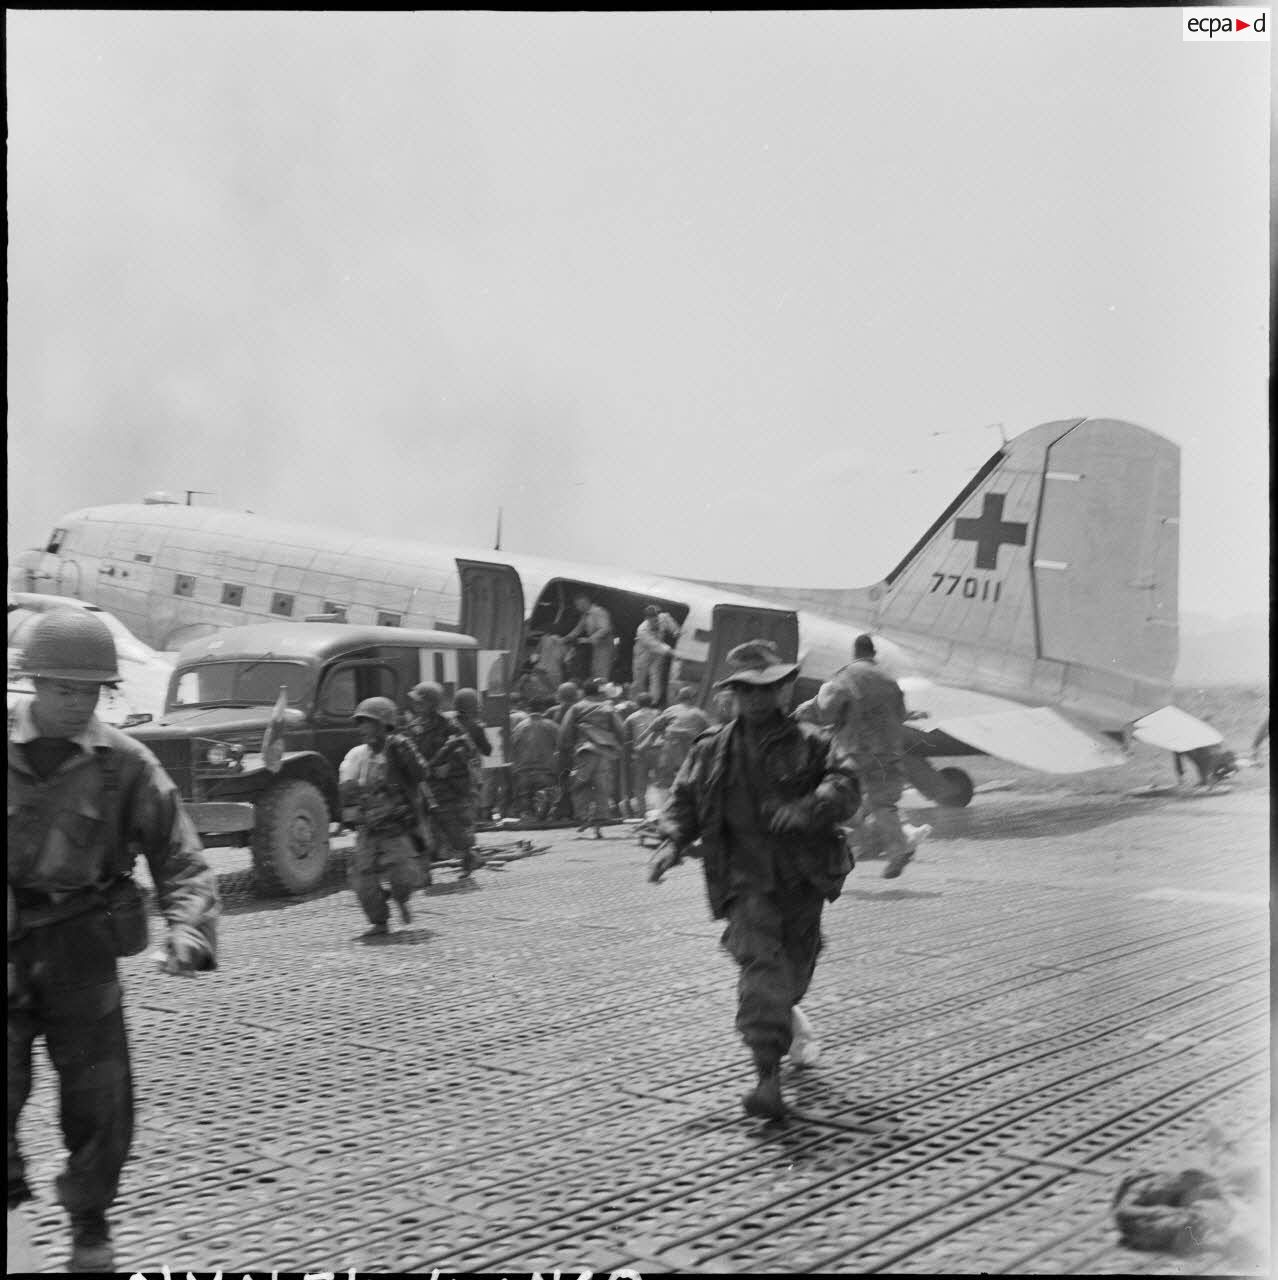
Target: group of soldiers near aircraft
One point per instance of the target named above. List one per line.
(762, 798)
(589, 651)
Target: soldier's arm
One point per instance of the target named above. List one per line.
(456, 756)
(679, 822)
(184, 882)
(831, 699)
(406, 763)
(568, 731)
(652, 734)
(838, 793)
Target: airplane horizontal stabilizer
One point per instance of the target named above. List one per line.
(1175, 730)
(1036, 737)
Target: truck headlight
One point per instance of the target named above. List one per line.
(223, 755)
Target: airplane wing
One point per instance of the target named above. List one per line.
(1175, 730)
(1036, 737)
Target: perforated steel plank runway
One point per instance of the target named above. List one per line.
(541, 1071)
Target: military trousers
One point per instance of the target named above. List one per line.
(377, 857)
(592, 786)
(640, 775)
(452, 828)
(882, 782)
(775, 938)
(527, 783)
(66, 989)
(646, 675)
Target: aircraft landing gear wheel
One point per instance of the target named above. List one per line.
(290, 839)
(958, 789)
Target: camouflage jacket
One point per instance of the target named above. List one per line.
(75, 832)
(800, 766)
(447, 757)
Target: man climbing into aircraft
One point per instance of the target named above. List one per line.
(650, 650)
(761, 799)
(867, 710)
(596, 629)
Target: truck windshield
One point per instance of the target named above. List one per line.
(251, 683)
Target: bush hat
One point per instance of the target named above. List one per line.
(756, 662)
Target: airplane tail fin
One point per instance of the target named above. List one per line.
(1063, 547)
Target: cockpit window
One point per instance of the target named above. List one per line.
(251, 683)
(56, 539)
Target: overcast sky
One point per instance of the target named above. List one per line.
(724, 295)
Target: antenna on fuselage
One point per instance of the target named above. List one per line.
(497, 541)
(189, 492)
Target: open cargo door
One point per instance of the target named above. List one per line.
(492, 605)
(734, 624)
(492, 611)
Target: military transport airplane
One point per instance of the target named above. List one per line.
(1035, 620)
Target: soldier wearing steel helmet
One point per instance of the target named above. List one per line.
(84, 799)
(449, 757)
(379, 779)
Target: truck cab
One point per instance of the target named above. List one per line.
(301, 681)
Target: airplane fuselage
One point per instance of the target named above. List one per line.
(1035, 618)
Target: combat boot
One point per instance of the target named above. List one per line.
(898, 861)
(91, 1242)
(765, 1100)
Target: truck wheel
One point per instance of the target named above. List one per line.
(290, 839)
(958, 788)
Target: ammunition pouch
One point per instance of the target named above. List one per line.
(126, 915)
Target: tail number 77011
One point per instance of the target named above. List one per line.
(969, 588)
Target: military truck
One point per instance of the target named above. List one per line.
(295, 685)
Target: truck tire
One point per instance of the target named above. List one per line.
(290, 839)
(959, 788)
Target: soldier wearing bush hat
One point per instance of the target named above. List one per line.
(760, 799)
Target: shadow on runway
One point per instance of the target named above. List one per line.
(1030, 817)
(886, 895)
(238, 895)
(397, 938)
(443, 887)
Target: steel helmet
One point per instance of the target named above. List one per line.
(382, 709)
(70, 644)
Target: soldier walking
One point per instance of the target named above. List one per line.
(867, 709)
(84, 799)
(379, 778)
(448, 757)
(760, 800)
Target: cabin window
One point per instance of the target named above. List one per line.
(282, 604)
(231, 594)
(56, 539)
(389, 619)
(183, 585)
(338, 698)
(347, 686)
